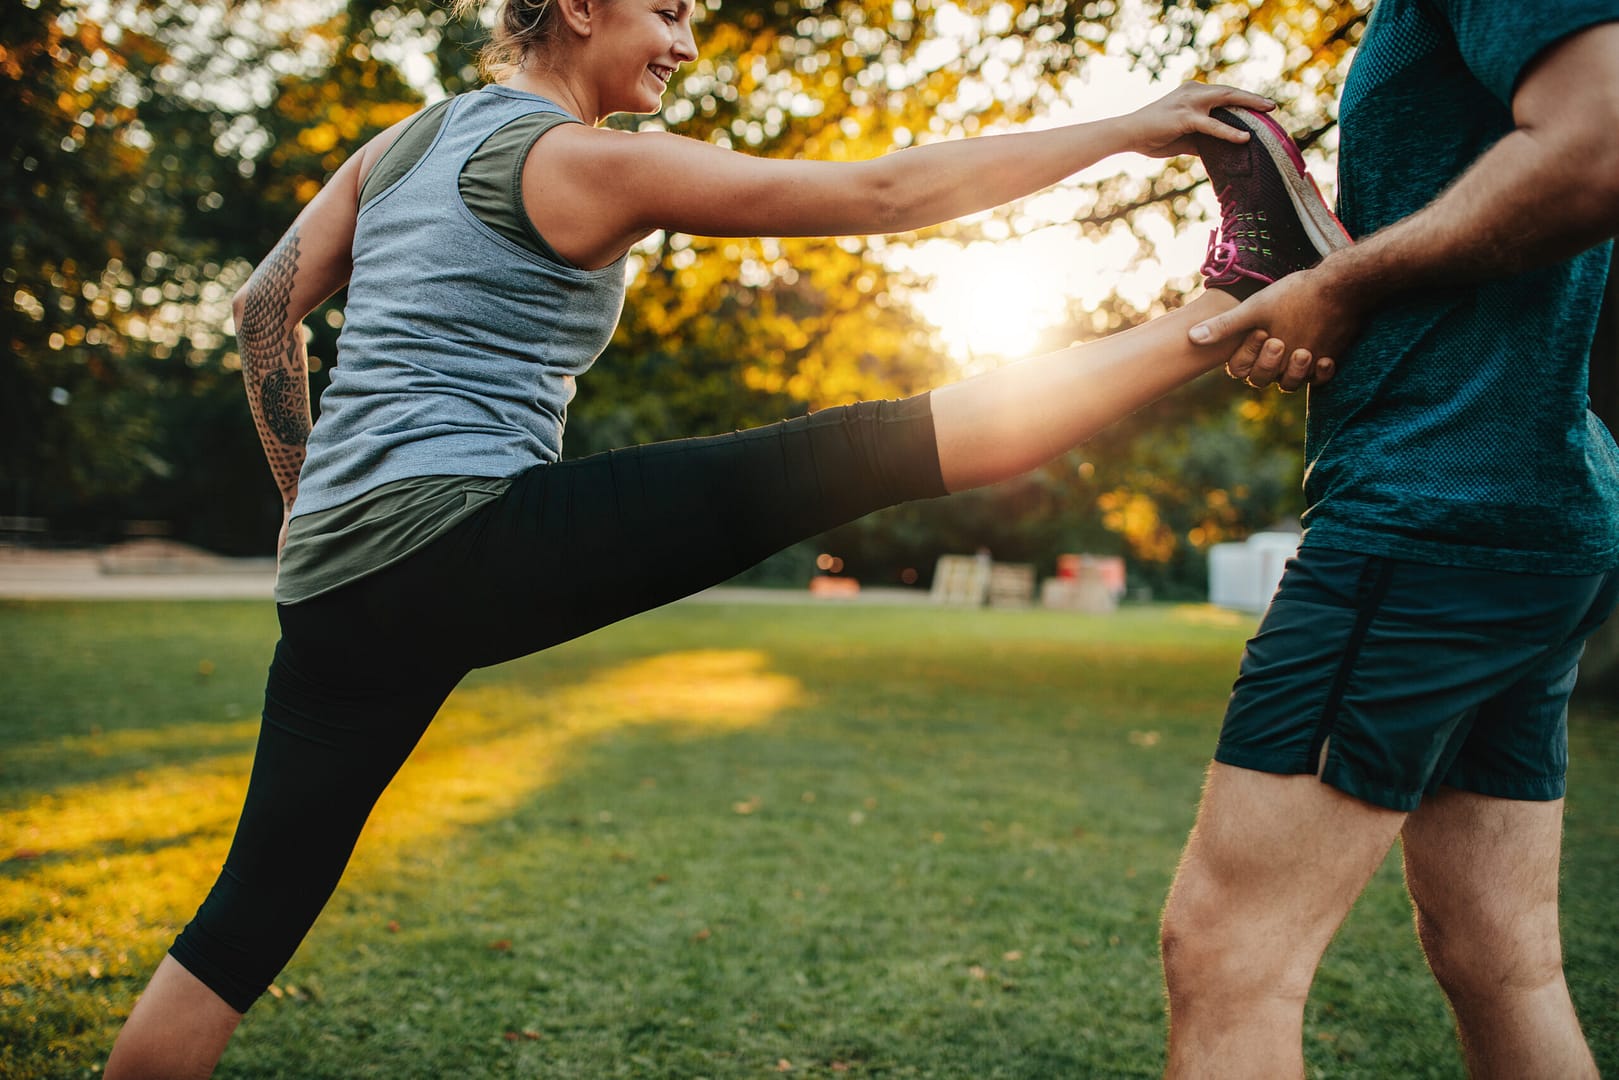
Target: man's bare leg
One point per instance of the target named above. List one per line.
(1271, 869)
(1483, 879)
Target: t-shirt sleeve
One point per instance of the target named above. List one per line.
(1499, 38)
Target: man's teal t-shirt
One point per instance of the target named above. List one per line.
(1458, 430)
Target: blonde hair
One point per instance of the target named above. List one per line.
(521, 27)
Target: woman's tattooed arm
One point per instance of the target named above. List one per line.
(274, 363)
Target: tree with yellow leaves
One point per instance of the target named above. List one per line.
(222, 118)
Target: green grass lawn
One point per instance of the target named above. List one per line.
(711, 842)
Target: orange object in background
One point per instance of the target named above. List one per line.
(1108, 569)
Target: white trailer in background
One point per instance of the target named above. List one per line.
(1244, 575)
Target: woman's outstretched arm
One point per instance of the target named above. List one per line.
(593, 192)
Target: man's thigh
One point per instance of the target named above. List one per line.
(1273, 865)
(1388, 678)
(1483, 873)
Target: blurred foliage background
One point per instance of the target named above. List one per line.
(158, 148)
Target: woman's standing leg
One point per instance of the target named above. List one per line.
(178, 1029)
(354, 683)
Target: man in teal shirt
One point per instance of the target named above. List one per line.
(1411, 676)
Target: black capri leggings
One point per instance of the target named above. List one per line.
(360, 672)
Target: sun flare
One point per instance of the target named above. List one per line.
(995, 302)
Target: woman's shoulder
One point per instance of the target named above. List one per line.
(395, 150)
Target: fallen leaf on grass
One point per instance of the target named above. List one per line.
(500, 946)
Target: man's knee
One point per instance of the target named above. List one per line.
(1483, 953)
(1191, 955)
(1210, 951)
(1189, 935)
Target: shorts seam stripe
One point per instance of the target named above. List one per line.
(1384, 569)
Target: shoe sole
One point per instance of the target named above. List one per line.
(1324, 229)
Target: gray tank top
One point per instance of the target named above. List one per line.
(460, 347)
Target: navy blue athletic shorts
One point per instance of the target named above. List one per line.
(1389, 678)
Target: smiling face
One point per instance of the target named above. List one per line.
(638, 45)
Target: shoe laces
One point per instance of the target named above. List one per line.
(1221, 255)
(1220, 263)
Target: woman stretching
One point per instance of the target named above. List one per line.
(430, 526)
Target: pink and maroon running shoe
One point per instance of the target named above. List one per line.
(1273, 220)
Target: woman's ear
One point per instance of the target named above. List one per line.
(577, 14)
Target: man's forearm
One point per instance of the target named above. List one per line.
(1522, 205)
(1546, 191)
(275, 366)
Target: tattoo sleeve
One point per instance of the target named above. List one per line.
(275, 366)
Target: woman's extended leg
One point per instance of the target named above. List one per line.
(1010, 420)
(576, 545)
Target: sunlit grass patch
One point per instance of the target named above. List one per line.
(492, 747)
(1209, 615)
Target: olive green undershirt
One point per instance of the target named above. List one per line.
(381, 527)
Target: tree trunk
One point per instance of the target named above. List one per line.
(1599, 670)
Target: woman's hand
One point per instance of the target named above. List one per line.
(1166, 128)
